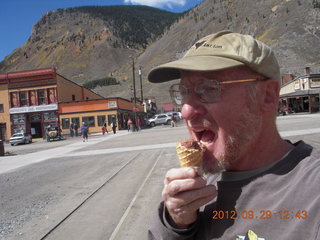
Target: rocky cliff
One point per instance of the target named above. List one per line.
(92, 49)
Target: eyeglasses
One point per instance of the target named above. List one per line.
(209, 91)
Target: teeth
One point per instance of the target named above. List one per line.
(204, 143)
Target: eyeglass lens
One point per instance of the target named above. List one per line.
(206, 92)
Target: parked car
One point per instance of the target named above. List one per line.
(20, 138)
(176, 114)
(53, 133)
(159, 119)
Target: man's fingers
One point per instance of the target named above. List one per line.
(182, 185)
(184, 199)
(193, 206)
(179, 173)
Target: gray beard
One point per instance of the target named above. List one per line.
(239, 140)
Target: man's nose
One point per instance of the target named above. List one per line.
(192, 108)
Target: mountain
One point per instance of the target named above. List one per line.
(90, 45)
(290, 27)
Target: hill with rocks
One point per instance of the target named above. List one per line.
(85, 45)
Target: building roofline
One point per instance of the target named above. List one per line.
(78, 84)
(311, 75)
(301, 93)
(98, 99)
(27, 73)
(5, 77)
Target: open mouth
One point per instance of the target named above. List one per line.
(204, 136)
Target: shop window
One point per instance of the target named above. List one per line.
(1, 107)
(49, 116)
(101, 120)
(41, 97)
(112, 118)
(51, 95)
(33, 98)
(23, 96)
(89, 121)
(18, 123)
(65, 123)
(14, 99)
(76, 121)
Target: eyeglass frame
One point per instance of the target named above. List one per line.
(218, 84)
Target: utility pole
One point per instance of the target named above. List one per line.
(134, 93)
(134, 83)
(140, 74)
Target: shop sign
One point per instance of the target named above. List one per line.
(315, 82)
(112, 104)
(50, 107)
(297, 85)
(35, 117)
(135, 109)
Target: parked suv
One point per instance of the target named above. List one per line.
(159, 119)
(20, 138)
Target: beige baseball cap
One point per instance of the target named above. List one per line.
(219, 51)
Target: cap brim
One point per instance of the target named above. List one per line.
(170, 71)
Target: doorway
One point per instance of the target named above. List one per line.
(3, 131)
(36, 130)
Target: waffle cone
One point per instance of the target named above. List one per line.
(189, 157)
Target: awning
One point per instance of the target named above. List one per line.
(301, 93)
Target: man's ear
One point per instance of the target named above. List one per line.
(270, 96)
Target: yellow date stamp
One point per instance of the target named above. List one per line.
(259, 214)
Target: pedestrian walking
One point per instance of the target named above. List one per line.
(84, 132)
(173, 121)
(71, 128)
(114, 126)
(129, 124)
(138, 124)
(76, 127)
(104, 128)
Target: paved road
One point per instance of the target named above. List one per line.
(107, 188)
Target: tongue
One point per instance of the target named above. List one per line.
(207, 136)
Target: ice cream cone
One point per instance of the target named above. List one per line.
(190, 153)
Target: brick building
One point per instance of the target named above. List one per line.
(32, 100)
(29, 100)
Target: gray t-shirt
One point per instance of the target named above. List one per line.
(281, 202)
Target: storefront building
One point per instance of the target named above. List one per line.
(95, 113)
(29, 100)
(301, 94)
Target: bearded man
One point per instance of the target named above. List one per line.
(268, 187)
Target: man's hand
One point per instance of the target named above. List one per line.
(184, 193)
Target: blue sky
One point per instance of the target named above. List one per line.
(18, 16)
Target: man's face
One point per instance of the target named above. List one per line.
(227, 127)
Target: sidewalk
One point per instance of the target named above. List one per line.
(10, 163)
(66, 137)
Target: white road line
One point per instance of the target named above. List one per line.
(9, 163)
(122, 149)
(117, 228)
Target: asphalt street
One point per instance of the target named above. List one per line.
(106, 188)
